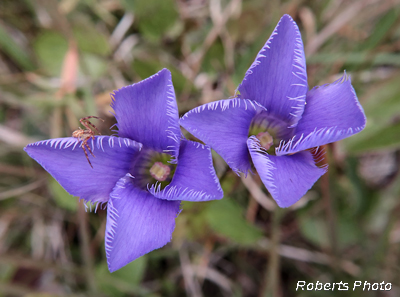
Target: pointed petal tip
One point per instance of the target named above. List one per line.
(164, 71)
(286, 17)
(147, 112)
(65, 160)
(284, 204)
(279, 69)
(111, 269)
(345, 78)
(343, 116)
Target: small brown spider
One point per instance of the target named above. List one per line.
(86, 134)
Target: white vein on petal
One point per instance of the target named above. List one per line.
(225, 105)
(316, 138)
(177, 193)
(111, 229)
(96, 204)
(173, 130)
(256, 150)
(299, 71)
(66, 142)
(318, 154)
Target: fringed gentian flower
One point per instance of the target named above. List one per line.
(275, 120)
(143, 174)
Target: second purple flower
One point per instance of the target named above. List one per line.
(274, 119)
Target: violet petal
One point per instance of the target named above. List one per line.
(65, 160)
(195, 178)
(331, 114)
(147, 112)
(137, 223)
(278, 78)
(224, 125)
(287, 178)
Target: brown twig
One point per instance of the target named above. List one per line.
(304, 255)
(257, 193)
(21, 190)
(192, 286)
(335, 25)
(220, 19)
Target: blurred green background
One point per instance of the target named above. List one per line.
(59, 60)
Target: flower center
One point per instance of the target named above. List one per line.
(269, 130)
(265, 139)
(152, 168)
(160, 171)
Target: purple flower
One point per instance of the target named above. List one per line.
(143, 174)
(274, 120)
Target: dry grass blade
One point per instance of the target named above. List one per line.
(220, 19)
(304, 255)
(21, 190)
(257, 193)
(335, 25)
(14, 138)
(192, 285)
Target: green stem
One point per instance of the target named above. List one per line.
(87, 257)
(272, 272)
(331, 221)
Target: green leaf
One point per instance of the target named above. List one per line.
(14, 51)
(382, 106)
(354, 58)
(381, 29)
(125, 280)
(146, 68)
(94, 65)
(314, 229)
(213, 61)
(348, 232)
(89, 39)
(155, 17)
(50, 48)
(385, 138)
(133, 272)
(62, 198)
(225, 217)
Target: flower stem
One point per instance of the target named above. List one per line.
(85, 248)
(272, 272)
(331, 217)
